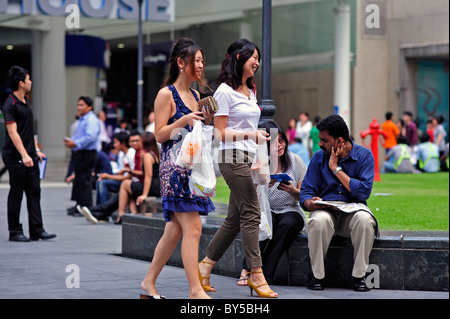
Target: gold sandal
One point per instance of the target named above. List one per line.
(208, 287)
(262, 294)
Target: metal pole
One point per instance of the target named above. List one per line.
(266, 103)
(140, 80)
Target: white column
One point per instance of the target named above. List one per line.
(245, 29)
(342, 58)
(49, 87)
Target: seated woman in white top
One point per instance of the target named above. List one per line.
(288, 218)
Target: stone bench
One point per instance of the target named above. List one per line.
(408, 260)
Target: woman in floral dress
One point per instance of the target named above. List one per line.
(176, 110)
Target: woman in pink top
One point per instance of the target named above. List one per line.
(290, 132)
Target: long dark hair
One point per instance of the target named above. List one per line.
(271, 124)
(149, 143)
(232, 67)
(186, 49)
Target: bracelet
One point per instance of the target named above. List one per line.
(38, 150)
(337, 170)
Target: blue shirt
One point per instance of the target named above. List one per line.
(301, 151)
(428, 153)
(87, 134)
(320, 181)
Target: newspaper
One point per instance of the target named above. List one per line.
(347, 207)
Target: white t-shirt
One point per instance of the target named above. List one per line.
(243, 115)
(126, 158)
(302, 132)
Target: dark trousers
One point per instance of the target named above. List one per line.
(106, 208)
(23, 179)
(84, 163)
(443, 162)
(285, 229)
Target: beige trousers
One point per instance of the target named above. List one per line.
(323, 225)
(243, 214)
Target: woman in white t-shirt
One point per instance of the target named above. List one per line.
(303, 127)
(236, 123)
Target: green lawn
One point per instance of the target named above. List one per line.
(399, 201)
(418, 201)
(222, 191)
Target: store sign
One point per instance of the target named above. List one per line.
(156, 54)
(154, 10)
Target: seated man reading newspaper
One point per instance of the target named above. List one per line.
(335, 189)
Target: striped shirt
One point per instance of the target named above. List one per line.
(281, 201)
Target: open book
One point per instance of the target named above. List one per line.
(347, 207)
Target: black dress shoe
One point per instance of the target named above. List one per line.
(315, 284)
(43, 236)
(71, 210)
(19, 238)
(359, 284)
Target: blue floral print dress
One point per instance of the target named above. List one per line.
(175, 192)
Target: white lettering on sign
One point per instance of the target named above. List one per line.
(155, 58)
(154, 10)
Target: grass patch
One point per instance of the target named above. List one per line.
(222, 191)
(416, 201)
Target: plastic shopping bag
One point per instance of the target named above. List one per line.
(190, 151)
(202, 182)
(265, 226)
(260, 167)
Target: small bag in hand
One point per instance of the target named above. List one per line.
(260, 167)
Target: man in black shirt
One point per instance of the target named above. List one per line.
(20, 155)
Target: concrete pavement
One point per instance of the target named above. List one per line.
(84, 262)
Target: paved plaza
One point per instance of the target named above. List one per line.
(84, 262)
